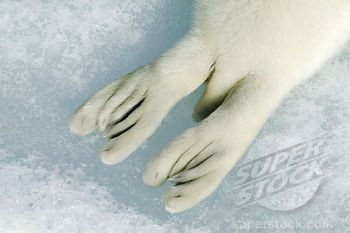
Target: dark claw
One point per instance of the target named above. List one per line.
(121, 132)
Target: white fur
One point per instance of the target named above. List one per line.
(256, 51)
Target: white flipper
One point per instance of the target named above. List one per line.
(211, 149)
(128, 111)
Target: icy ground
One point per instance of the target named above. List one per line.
(55, 54)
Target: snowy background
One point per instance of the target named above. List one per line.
(55, 54)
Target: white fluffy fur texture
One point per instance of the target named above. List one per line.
(252, 53)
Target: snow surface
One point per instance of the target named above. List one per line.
(55, 54)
